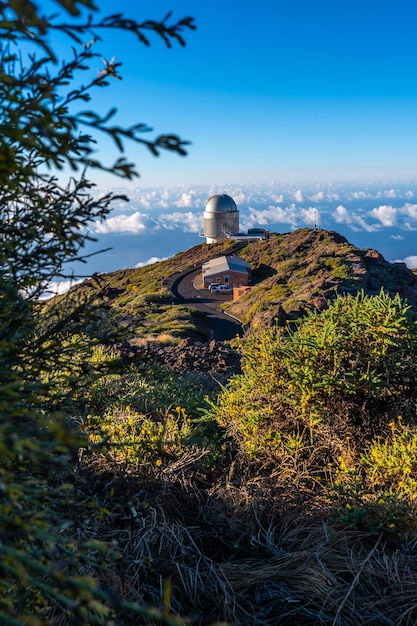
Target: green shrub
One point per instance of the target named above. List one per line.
(319, 396)
(139, 415)
(337, 265)
(126, 436)
(390, 463)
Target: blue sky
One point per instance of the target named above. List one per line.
(274, 91)
(280, 99)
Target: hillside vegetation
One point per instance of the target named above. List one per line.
(303, 270)
(292, 273)
(140, 299)
(270, 481)
(267, 480)
(150, 475)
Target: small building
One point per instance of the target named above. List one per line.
(240, 291)
(226, 270)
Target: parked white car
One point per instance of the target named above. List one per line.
(220, 289)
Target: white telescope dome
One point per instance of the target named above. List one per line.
(220, 204)
(221, 218)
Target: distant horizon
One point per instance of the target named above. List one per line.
(358, 181)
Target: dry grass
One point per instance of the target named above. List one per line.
(166, 339)
(233, 554)
(139, 342)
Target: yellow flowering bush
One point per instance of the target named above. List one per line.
(127, 436)
(391, 463)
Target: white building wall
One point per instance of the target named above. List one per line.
(220, 224)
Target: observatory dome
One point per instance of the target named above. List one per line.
(220, 204)
(221, 218)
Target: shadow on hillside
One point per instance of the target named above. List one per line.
(263, 271)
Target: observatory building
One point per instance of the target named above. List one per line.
(221, 218)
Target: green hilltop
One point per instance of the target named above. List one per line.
(292, 274)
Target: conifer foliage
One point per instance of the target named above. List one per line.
(46, 128)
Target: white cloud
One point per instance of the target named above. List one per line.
(385, 214)
(397, 237)
(299, 195)
(387, 193)
(341, 215)
(148, 201)
(56, 288)
(151, 261)
(410, 261)
(239, 197)
(190, 222)
(358, 224)
(135, 223)
(408, 226)
(271, 215)
(310, 216)
(353, 219)
(119, 205)
(333, 196)
(410, 210)
(186, 199)
(318, 197)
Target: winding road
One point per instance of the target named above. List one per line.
(224, 327)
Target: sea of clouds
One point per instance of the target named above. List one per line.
(159, 222)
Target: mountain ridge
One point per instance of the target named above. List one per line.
(292, 273)
(308, 267)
